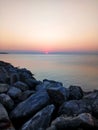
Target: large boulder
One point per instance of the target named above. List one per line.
(6, 101)
(74, 107)
(57, 93)
(75, 93)
(84, 120)
(22, 86)
(40, 120)
(5, 123)
(30, 106)
(14, 92)
(4, 88)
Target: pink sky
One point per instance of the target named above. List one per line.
(47, 25)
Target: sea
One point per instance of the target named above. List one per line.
(70, 69)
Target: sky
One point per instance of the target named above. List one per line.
(49, 25)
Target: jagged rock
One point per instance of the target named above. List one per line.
(84, 120)
(4, 88)
(5, 123)
(14, 92)
(30, 106)
(21, 85)
(6, 101)
(75, 93)
(74, 107)
(41, 120)
(24, 95)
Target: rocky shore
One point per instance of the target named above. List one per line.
(29, 104)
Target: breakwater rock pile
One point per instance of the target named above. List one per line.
(30, 104)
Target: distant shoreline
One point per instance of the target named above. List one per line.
(4, 53)
(53, 53)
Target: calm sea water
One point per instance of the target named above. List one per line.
(79, 70)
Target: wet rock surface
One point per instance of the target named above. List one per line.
(30, 104)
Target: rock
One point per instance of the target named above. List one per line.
(32, 83)
(46, 84)
(24, 95)
(96, 123)
(24, 74)
(52, 127)
(74, 107)
(40, 120)
(75, 93)
(92, 95)
(95, 107)
(84, 120)
(11, 74)
(6, 101)
(6, 70)
(39, 87)
(14, 92)
(57, 93)
(5, 123)
(4, 88)
(46, 81)
(22, 86)
(3, 75)
(14, 77)
(30, 106)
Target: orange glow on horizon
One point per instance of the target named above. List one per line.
(63, 25)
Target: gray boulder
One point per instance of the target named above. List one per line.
(30, 106)
(74, 107)
(57, 93)
(75, 93)
(5, 123)
(14, 92)
(4, 88)
(40, 120)
(6, 101)
(84, 120)
(22, 86)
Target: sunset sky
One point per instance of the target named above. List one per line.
(49, 25)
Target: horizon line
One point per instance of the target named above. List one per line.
(46, 52)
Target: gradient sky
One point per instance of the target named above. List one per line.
(48, 25)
